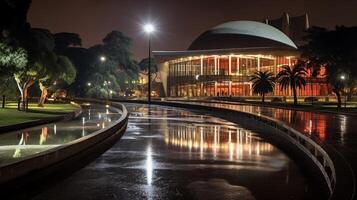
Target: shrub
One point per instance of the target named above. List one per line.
(310, 99)
(276, 100)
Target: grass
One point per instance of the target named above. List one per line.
(10, 115)
(55, 108)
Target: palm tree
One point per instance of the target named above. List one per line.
(292, 77)
(263, 83)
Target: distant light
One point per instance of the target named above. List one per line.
(89, 83)
(102, 58)
(197, 77)
(149, 28)
(342, 77)
(111, 91)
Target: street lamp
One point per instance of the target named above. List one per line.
(343, 78)
(149, 29)
(102, 58)
(89, 84)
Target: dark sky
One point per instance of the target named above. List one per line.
(179, 21)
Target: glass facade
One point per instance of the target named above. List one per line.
(228, 75)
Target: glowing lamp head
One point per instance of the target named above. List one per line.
(102, 58)
(342, 77)
(149, 28)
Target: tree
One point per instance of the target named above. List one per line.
(38, 44)
(119, 67)
(263, 83)
(13, 17)
(336, 52)
(58, 68)
(292, 77)
(12, 59)
(66, 40)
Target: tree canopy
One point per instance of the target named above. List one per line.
(336, 52)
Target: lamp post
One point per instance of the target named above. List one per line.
(343, 78)
(149, 29)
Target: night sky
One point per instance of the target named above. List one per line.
(179, 21)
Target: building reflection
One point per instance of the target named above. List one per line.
(309, 123)
(218, 141)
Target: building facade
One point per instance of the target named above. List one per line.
(221, 61)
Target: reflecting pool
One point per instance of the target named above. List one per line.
(20, 144)
(171, 153)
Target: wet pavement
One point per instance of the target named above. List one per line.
(172, 153)
(21, 144)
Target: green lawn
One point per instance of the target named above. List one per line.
(56, 108)
(10, 115)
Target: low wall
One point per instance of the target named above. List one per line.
(319, 160)
(21, 174)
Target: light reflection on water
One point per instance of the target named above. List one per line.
(19, 144)
(171, 153)
(229, 142)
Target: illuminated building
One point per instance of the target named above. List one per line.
(221, 60)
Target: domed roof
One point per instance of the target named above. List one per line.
(242, 34)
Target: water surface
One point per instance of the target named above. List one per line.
(171, 153)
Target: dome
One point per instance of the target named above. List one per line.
(242, 34)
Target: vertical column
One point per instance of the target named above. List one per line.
(215, 65)
(201, 90)
(229, 65)
(275, 68)
(258, 63)
(230, 88)
(215, 88)
(201, 65)
(238, 60)
(250, 89)
(289, 61)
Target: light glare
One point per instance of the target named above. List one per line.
(149, 28)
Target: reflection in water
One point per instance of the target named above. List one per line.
(313, 124)
(44, 135)
(230, 142)
(23, 140)
(149, 169)
(22, 143)
(171, 153)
